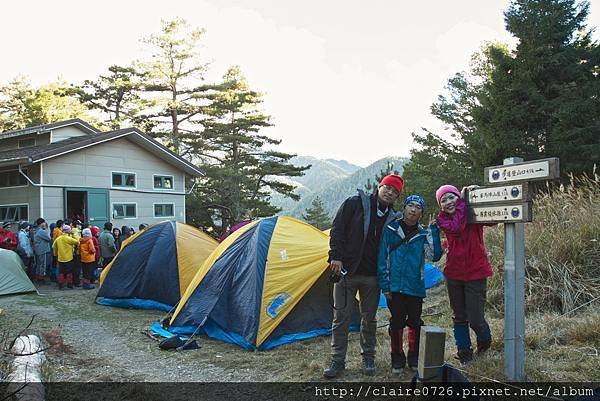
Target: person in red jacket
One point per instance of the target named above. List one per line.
(8, 239)
(467, 269)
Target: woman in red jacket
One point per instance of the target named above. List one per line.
(467, 269)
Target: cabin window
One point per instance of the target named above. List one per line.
(163, 182)
(125, 180)
(12, 178)
(124, 210)
(14, 213)
(164, 210)
(26, 143)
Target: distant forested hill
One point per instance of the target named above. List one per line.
(331, 180)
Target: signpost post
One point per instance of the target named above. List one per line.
(509, 202)
(514, 296)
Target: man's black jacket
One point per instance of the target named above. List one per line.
(350, 228)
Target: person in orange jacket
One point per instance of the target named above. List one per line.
(57, 232)
(87, 251)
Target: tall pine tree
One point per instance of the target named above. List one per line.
(540, 100)
(116, 96)
(549, 90)
(174, 82)
(241, 167)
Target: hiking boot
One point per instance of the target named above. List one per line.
(334, 370)
(369, 366)
(398, 362)
(483, 346)
(464, 355)
(413, 360)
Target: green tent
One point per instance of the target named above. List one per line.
(13, 279)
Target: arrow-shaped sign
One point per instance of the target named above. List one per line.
(543, 169)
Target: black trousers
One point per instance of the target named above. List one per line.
(65, 267)
(76, 269)
(467, 299)
(88, 270)
(406, 311)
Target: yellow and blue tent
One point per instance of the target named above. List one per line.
(155, 266)
(265, 285)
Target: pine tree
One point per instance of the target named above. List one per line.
(540, 100)
(116, 96)
(551, 87)
(315, 215)
(241, 167)
(173, 82)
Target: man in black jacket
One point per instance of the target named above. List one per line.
(354, 244)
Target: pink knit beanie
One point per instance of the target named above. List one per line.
(444, 189)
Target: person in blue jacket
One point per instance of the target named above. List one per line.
(400, 274)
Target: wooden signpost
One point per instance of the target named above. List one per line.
(535, 170)
(509, 202)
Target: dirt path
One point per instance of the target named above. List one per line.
(107, 344)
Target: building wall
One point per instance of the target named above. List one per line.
(23, 195)
(92, 167)
(145, 208)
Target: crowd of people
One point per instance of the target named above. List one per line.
(373, 248)
(69, 253)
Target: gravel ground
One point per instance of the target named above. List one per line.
(103, 344)
(107, 344)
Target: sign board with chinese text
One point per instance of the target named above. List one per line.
(509, 193)
(508, 213)
(535, 170)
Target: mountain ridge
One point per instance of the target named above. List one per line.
(332, 180)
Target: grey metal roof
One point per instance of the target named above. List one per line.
(82, 125)
(34, 154)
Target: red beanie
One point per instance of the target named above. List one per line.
(393, 180)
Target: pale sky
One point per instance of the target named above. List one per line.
(342, 79)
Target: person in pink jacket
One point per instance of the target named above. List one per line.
(467, 269)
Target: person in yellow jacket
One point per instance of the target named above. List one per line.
(56, 232)
(88, 258)
(63, 248)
